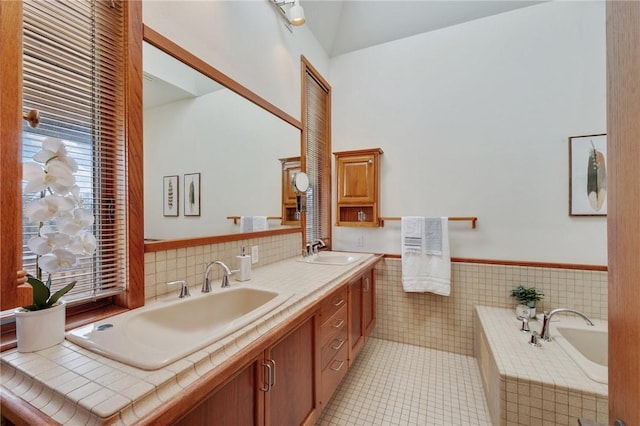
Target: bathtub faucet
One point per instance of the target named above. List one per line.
(544, 334)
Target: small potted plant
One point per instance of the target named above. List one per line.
(527, 298)
(62, 237)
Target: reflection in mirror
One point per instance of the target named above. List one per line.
(193, 125)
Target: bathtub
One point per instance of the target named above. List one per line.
(586, 345)
(558, 381)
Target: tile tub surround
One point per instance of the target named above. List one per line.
(75, 386)
(528, 385)
(446, 323)
(189, 263)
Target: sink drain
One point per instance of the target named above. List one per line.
(103, 327)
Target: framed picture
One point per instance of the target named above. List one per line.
(171, 196)
(192, 194)
(588, 175)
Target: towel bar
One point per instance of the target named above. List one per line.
(237, 218)
(471, 219)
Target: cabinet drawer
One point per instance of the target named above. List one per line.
(330, 305)
(333, 325)
(332, 347)
(333, 374)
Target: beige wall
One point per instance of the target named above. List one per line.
(446, 323)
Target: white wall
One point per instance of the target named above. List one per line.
(474, 120)
(245, 39)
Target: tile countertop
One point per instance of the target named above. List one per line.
(548, 364)
(74, 386)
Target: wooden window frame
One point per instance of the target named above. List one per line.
(307, 68)
(11, 172)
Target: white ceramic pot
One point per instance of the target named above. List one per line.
(41, 329)
(522, 310)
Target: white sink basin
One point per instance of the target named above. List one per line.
(330, 258)
(154, 336)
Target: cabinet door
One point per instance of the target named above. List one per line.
(356, 334)
(356, 180)
(292, 399)
(289, 168)
(368, 302)
(235, 404)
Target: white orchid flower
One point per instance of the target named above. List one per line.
(53, 148)
(57, 260)
(48, 240)
(75, 193)
(72, 224)
(48, 207)
(83, 243)
(57, 176)
(61, 205)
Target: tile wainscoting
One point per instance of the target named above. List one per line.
(446, 323)
(188, 264)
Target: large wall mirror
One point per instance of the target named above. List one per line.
(212, 150)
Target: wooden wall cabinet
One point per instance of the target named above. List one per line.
(279, 387)
(290, 166)
(358, 193)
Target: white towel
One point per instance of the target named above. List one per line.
(422, 269)
(246, 224)
(260, 223)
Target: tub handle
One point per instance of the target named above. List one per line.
(534, 339)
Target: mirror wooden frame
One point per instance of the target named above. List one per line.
(161, 42)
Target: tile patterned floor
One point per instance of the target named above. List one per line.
(398, 384)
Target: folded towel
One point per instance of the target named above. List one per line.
(412, 233)
(422, 269)
(246, 223)
(433, 235)
(260, 223)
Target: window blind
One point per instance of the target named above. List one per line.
(318, 152)
(73, 55)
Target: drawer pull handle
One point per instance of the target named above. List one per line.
(339, 345)
(339, 302)
(267, 386)
(338, 323)
(270, 365)
(339, 367)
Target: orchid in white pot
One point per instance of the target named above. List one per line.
(62, 238)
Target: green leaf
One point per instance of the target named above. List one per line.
(58, 294)
(41, 292)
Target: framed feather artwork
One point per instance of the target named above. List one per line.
(588, 175)
(170, 198)
(192, 194)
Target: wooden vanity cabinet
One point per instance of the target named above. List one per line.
(290, 166)
(290, 381)
(358, 176)
(279, 387)
(361, 312)
(236, 403)
(334, 359)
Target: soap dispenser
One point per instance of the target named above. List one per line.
(244, 266)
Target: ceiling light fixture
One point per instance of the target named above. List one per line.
(295, 14)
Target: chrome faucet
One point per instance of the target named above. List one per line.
(317, 244)
(184, 288)
(206, 286)
(544, 334)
